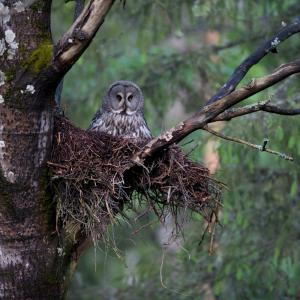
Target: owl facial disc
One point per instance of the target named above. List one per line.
(121, 113)
(124, 97)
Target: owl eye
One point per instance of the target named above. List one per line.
(119, 97)
(130, 97)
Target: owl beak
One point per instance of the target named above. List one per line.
(129, 97)
(123, 108)
(122, 103)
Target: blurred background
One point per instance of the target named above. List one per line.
(180, 52)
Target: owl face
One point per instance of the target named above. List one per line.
(124, 97)
(121, 113)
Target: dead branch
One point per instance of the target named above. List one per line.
(79, 6)
(269, 46)
(229, 114)
(240, 141)
(211, 111)
(74, 42)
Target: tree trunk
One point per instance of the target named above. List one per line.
(34, 264)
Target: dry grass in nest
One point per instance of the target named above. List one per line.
(94, 178)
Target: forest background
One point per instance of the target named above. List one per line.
(180, 53)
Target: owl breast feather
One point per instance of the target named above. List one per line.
(127, 126)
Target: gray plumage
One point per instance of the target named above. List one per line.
(122, 112)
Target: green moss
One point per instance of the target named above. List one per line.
(37, 7)
(52, 278)
(10, 74)
(40, 58)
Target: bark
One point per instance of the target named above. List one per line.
(32, 264)
(36, 260)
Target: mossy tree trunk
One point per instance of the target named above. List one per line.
(36, 262)
(32, 262)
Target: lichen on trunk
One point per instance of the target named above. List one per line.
(31, 265)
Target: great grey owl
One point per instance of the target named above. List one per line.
(121, 113)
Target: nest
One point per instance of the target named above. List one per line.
(95, 179)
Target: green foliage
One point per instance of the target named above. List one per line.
(162, 46)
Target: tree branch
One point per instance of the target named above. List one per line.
(79, 6)
(232, 44)
(269, 46)
(229, 114)
(240, 141)
(78, 37)
(211, 111)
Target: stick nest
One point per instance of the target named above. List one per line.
(94, 177)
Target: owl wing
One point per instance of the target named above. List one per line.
(95, 120)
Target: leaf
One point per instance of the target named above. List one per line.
(239, 219)
(294, 187)
(225, 217)
(298, 147)
(292, 142)
(239, 274)
(279, 133)
(218, 287)
(276, 256)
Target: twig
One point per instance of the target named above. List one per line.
(161, 271)
(229, 114)
(231, 44)
(262, 147)
(143, 227)
(269, 46)
(212, 231)
(55, 165)
(203, 234)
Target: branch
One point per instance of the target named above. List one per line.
(74, 42)
(257, 147)
(211, 111)
(229, 114)
(269, 46)
(232, 44)
(79, 6)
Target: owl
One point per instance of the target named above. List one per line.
(122, 112)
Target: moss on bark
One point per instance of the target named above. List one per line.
(40, 58)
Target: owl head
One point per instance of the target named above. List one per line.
(124, 97)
